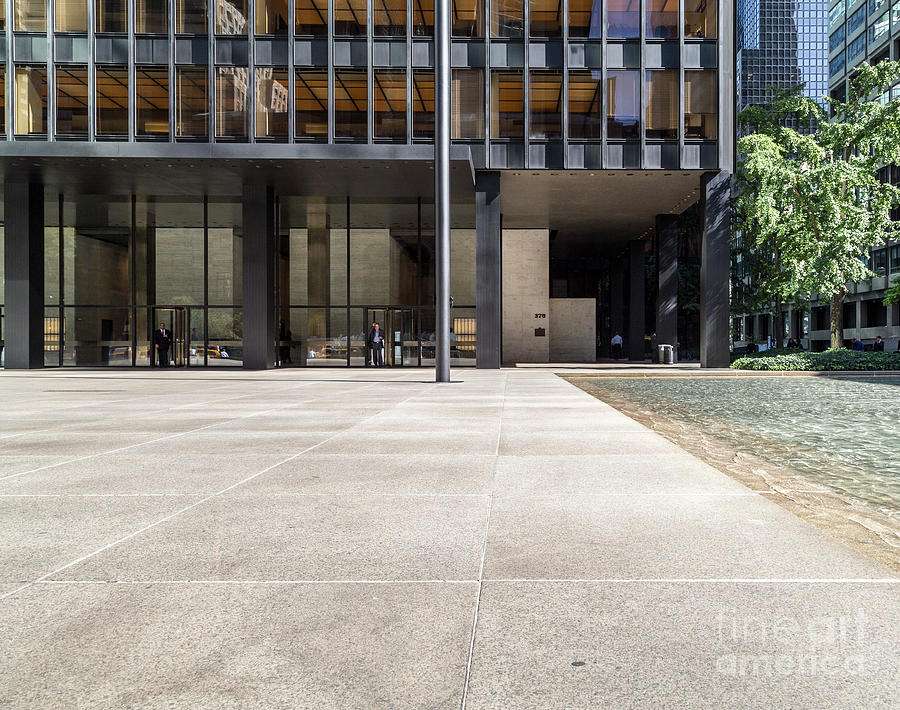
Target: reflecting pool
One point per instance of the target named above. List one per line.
(839, 432)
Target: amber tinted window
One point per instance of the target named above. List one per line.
(112, 15)
(231, 17)
(700, 105)
(545, 18)
(662, 18)
(232, 88)
(272, 17)
(585, 114)
(507, 18)
(190, 16)
(507, 105)
(191, 107)
(662, 104)
(467, 103)
(350, 18)
(31, 100)
(311, 104)
(423, 18)
(271, 102)
(585, 18)
(423, 104)
(30, 15)
(700, 18)
(71, 16)
(350, 102)
(71, 101)
(389, 18)
(545, 105)
(390, 104)
(112, 101)
(311, 17)
(467, 18)
(151, 16)
(152, 93)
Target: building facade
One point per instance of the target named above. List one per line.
(259, 177)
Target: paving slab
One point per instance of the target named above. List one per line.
(15, 464)
(555, 443)
(236, 646)
(211, 442)
(401, 442)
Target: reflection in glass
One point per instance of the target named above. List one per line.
(700, 18)
(546, 105)
(232, 87)
(272, 17)
(700, 105)
(112, 16)
(225, 338)
(585, 117)
(96, 337)
(507, 18)
(71, 15)
(467, 103)
(71, 101)
(350, 101)
(586, 18)
(112, 101)
(311, 17)
(467, 19)
(152, 93)
(662, 104)
(623, 104)
(151, 16)
(31, 15)
(191, 110)
(51, 248)
(423, 103)
(311, 104)
(390, 18)
(350, 18)
(2, 126)
(390, 104)
(545, 18)
(662, 18)
(231, 17)
(31, 100)
(623, 18)
(507, 104)
(271, 102)
(224, 253)
(190, 17)
(423, 18)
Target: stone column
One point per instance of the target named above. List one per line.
(24, 268)
(667, 275)
(259, 277)
(636, 299)
(715, 268)
(488, 275)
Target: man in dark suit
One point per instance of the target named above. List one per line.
(162, 339)
(375, 343)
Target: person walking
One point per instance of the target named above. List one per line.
(162, 339)
(616, 343)
(375, 343)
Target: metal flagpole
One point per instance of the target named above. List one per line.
(442, 187)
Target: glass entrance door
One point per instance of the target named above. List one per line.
(401, 346)
(175, 320)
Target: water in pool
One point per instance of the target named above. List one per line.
(840, 432)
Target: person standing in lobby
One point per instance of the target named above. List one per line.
(162, 339)
(616, 343)
(375, 342)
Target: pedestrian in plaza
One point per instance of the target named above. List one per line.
(375, 343)
(879, 344)
(616, 343)
(162, 339)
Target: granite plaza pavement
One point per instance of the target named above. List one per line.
(368, 539)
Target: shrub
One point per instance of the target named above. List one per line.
(830, 360)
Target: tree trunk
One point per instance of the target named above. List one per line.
(837, 320)
(779, 322)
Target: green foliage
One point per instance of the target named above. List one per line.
(830, 360)
(812, 200)
(892, 295)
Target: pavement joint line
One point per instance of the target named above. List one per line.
(187, 508)
(167, 437)
(484, 545)
(508, 580)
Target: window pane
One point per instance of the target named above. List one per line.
(152, 101)
(151, 16)
(271, 102)
(271, 17)
(662, 18)
(31, 100)
(585, 18)
(423, 18)
(2, 124)
(112, 101)
(507, 18)
(231, 17)
(700, 109)
(390, 104)
(507, 102)
(190, 16)
(191, 109)
(231, 101)
(112, 16)
(71, 16)
(545, 18)
(467, 19)
(350, 101)
(31, 15)
(623, 18)
(467, 104)
(585, 118)
(311, 104)
(224, 250)
(350, 18)
(662, 104)
(71, 101)
(423, 104)
(390, 18)
(546, 104)
(700, 18)
(311, 17)
(623, 104)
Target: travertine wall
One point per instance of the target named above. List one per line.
(574, 329)
(526, 295)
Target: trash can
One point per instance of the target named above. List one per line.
(666, 355)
